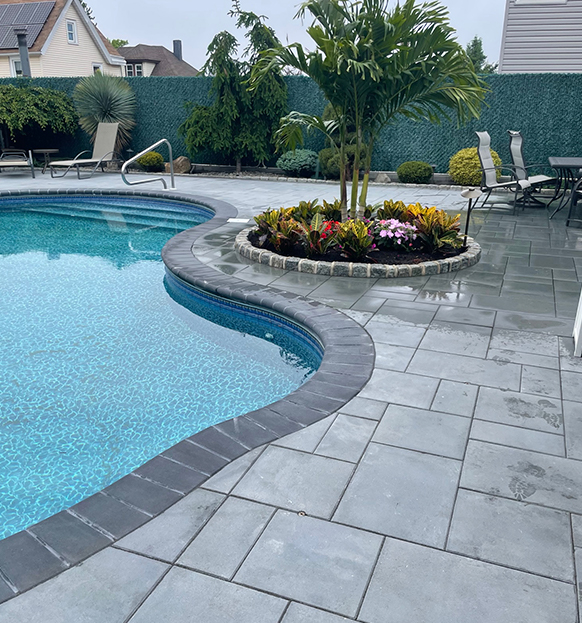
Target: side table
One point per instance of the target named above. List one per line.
(47, 154)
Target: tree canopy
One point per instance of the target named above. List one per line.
(88, 11)
(475, 52)
(27, 107)
(238, 124)
(118, 43)
(375, 64)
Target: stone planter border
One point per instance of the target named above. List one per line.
(353, 269)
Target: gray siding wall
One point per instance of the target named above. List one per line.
(542, 37)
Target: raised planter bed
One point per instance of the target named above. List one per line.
(354, 269)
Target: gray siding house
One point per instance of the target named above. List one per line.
(542, 36)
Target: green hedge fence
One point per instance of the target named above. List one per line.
(545, 107)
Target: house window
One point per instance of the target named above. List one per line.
(97, 68)
(72, 31)
(16, 67)
(134, 70)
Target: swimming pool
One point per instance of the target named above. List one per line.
(104, 362)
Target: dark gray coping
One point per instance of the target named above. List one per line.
(353, 269)
(44, 550)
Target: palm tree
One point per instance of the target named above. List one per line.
(374, 65)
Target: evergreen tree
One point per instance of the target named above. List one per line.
(238, 124)
(475, 52)
(88, 11)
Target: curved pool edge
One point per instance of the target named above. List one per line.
(44, 550)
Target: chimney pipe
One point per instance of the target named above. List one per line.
(178, 49)
(23, 49)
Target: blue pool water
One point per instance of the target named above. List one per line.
(104, 361)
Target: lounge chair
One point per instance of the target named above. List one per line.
(522, 171)
(103, 152)
(16, 159)
(489, 181)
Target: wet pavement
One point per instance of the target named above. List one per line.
(448, 490)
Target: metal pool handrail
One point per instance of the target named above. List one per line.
(153, 179)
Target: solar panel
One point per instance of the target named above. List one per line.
(10, 40)
(12, 10)
(26, 13)
(4, 30)
(31, 16)
(43, 10)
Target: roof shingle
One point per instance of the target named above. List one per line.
(166, 63)
(50, 24)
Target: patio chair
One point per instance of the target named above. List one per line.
(103, 152)
(489, 181)
(16, 159)
(522, 171)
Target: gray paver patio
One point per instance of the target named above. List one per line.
(104, 589)
(298, 613)
(317, 562)
(296, 480)
(425, 431)
(524, 536)
(440, 494)
(227, 538)
(413, 583)
(416, 506)
(189, 596)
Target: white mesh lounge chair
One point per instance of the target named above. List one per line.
(16, 159)
(489, 181)
(522, 170)
(103, 152)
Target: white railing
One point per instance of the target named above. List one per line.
(152, 179)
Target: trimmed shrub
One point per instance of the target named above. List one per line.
(329, 159)
(152, 161)
(465, 167)
(414, 172)
(298, 163)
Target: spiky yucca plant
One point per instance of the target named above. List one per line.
(108, 99)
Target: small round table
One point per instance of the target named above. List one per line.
(47, 154)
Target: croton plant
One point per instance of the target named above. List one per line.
(392, 226)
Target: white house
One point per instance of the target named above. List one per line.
(542, 36)
(62, 40)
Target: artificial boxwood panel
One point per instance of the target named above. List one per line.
(303, 95)
(543, 106)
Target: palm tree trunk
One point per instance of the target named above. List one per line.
(364, 195)
(355, 181)
(343, 178)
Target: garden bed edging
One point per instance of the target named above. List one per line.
(470, 257)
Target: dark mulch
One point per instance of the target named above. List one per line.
(376, 256)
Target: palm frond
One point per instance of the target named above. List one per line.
(110, 99)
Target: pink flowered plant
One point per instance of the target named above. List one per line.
(393, 234)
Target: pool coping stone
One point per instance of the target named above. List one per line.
(42, 551)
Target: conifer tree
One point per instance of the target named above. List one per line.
(238, 125)
(475, 52)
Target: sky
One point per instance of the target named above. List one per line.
(195, 22)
